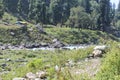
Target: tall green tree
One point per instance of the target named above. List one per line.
(79, 18)
(118, 7)
(10, 5)
(104, 18)
(1, 9)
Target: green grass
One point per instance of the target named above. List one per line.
(9, 18)
(75, 36)
(110, 68)
(40, 60)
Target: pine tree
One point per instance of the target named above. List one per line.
(1, 10)
(104, 18)
(118, 7)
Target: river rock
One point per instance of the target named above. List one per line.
(44, 44)
(30, 76)
(32, 45)
(19, 79)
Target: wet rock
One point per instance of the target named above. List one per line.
(30, 76)
(41, 74)
(19, 79)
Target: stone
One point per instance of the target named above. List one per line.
(3, 65)
(54, 40)
(57, 68)
(90, 56)
(8, 60)
(41, 74)
(12, 33)
(19, 79)
(102, 47)
(70, 63)
(97, 53)
(30, 75)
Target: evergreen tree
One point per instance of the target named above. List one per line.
(118, 7)
(104, 18)
(1, 9)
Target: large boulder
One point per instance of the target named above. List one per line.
(97, 53)
(32, 45)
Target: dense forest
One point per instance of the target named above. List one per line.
(87, 14)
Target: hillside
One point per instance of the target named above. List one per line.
(16, 35)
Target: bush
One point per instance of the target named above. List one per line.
(110, 69)
(36, 64)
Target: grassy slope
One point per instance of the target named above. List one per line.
(74, 36)
(66, 35)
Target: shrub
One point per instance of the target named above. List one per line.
(110, 69)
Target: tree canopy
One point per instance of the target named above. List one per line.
(90, 14)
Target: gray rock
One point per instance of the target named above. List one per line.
(102, 47)
(12, 33)
(3, 65)
(97, 53)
